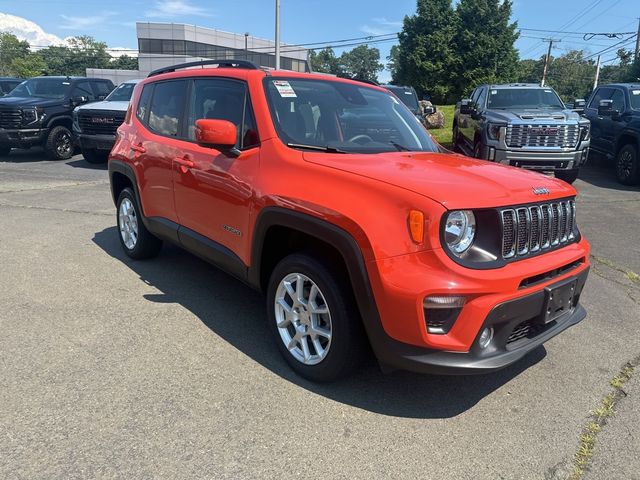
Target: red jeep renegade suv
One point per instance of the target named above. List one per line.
(330, 196)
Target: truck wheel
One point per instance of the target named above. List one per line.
(627, 168)
(95, 156)
(568, 176)
(477, 150)
(59, 144)
(313, 319)
(4, 151)
(137, 242)
(456, 139)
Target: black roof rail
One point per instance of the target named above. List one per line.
(220, 63)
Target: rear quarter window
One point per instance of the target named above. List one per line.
(143, 103)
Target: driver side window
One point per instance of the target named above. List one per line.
(83, 89)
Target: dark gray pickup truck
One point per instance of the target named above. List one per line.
(523, 125)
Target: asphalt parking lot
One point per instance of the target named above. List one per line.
(111, 368)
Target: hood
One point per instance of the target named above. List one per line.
(111, 106)
(534, 115)
(31, 102)
(455, 181)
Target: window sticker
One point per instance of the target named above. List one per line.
(408, 93)
(635, 92)
(284, 89)
(547, 91)
(494, 92)
(66, 83)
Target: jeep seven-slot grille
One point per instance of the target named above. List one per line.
(100, 122)
(552, 136)
(10, 118)
(529, 229)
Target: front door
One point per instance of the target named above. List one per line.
(213, 190)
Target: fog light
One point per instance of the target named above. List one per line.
(441, 312)
(485, 337)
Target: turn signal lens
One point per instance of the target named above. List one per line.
(416, 225)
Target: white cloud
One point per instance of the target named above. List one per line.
(381, 26)
(27, 30)
(176, 8)
(83, 23)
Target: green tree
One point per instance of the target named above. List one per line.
(571, 75)
(325, 61)
(530, 70)
(425, 55)
(30, 65)
(362, 63)
(124, 62)
(11, 49)
(484, 44)
(392, 61)
(83, 52)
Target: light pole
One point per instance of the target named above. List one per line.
(277, 34)
(246, 47)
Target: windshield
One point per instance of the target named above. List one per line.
(531, 98)
(43, 88)
(343, 117)
(122, 93)
(407, 96)
(634, 94)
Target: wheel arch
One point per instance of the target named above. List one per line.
(122, 176)
(627, 138)
(60, 120)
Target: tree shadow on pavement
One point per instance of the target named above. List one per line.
(236, 313)
(82, 163)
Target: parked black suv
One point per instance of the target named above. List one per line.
(39, 112)
(614, 111)
(7, 84)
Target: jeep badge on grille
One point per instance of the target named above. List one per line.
(540, 191)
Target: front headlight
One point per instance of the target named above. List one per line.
(585, 132)
(29, 115)
(493, 131)
(460, 231)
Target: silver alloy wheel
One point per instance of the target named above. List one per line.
(128, 223)
(625, 165)
(303, 318)
(63, 144)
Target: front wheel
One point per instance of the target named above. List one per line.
(627, 167)
(137, 242)
(311, 314)
(568, 176)
(59, 144)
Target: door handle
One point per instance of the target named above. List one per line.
(185, 163)
(138, 148)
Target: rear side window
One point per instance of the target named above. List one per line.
(618, 100)
(165, 111)
(143, 104)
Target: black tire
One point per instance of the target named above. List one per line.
(568, 176)
(95, 156)
(627, 165)
(477, 150)
(5, 151)
(348, 338)
(59, 144)
(145, 245)
(456, 139)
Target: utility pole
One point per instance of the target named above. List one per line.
(638, 41)
(277, 34)
(547, 60)
(246, 46)
(595, 83)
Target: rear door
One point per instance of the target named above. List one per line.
(600, 138)
(213, 195)
(465, 125)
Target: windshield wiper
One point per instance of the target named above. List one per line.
(400, 148)
(319, 148)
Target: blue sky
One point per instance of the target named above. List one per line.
(303, 21)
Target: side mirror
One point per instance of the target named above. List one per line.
(429, 110)
(79, 100)
(218, 134)
(466, 106)
(605, 108)
(579, 104)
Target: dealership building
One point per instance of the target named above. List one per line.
(164, 44)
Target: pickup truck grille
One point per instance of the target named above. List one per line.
(552, 136)
(530, 229)
(99, 122)
(10, 118)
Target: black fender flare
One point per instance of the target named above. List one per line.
(58, 118)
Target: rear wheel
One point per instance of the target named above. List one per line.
(95, 156)
(627, 168)
(59, 144)
(4, 151)
(456, 139)
(137, 242)
(568, 176)
(312, 317)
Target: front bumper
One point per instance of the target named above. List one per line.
(96, 142)
(510, 299)
(539, 159)
(23, 138)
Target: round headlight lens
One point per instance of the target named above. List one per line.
(460, 230)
